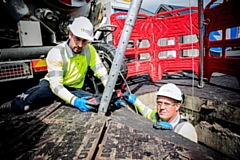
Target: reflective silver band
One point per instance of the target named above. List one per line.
(58, 88)
(55, 73)
(145, 111)
(104, 77)
(97, 67)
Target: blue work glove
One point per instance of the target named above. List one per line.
(163, 125)
(130, 98)
(83, 104)
(119, 103)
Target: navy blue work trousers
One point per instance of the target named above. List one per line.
(39, 96)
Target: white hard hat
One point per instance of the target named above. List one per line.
(82, 27)
(170, 90)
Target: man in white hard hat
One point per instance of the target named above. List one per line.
(166, 115)
(67, 65)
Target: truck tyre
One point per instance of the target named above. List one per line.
(106, 53)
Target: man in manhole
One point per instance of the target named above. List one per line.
(166, 115)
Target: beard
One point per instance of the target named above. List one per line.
(77, 50)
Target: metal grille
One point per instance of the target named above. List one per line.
(15, 70)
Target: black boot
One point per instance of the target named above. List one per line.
(6, 107)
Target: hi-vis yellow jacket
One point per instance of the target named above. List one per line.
(66, 68)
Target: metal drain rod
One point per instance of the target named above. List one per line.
(118, 58)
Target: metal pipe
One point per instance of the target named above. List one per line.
(201, 50)
(118, 58)
(24, 53)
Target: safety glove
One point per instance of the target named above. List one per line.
(83, 104)
(119, 103)
(130, 98)
(163, 125)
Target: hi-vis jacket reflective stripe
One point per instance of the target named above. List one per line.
(68, 69)
(146, 112)
(180, 123)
